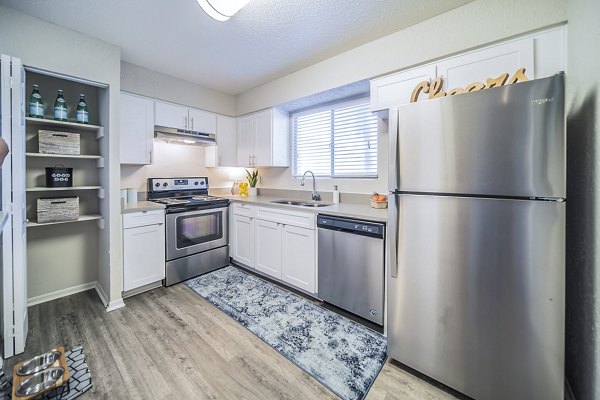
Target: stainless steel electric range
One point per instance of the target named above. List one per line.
(197, 237)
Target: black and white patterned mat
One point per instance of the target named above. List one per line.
(341, 354)
(80, 382)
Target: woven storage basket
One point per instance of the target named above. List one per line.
(57, 209)
(52, 142)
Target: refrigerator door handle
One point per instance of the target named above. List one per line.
(394, 167)
(392, 234)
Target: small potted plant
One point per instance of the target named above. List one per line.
(252, 181)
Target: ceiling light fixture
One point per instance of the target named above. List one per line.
(222, 10)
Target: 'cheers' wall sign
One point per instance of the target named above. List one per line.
(435, 88)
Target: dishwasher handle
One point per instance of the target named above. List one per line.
(352, 226)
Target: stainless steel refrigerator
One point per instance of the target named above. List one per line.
(476, 229)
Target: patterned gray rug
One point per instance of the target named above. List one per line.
(341, 354)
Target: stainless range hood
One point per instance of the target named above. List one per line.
(183, 136)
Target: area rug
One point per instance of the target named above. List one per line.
(341, 354)
(79, 383)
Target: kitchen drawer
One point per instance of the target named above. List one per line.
(247, 210)
(143, 218)
(286, 217)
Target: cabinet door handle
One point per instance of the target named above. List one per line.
(192, 128)
(186, 124)
(219, 160)
(150, 156)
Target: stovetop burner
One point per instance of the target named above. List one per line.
(181, 194)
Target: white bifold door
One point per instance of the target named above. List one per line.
(14, 239)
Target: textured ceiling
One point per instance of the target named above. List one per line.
(266, 40)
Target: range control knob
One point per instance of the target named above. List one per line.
(165, 184)
(157, 184)
(202, 182)
(196, 183)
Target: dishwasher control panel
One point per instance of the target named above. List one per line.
(368, 228)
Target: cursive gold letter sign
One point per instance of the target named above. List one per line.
(435, 88)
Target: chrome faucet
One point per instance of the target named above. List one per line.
(315, 196)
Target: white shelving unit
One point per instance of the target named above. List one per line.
(66, 256)
(45, 122)
(62, 189)
(85, 173)
(82, 157)
(82, 218)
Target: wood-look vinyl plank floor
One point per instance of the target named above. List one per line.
(170, 343)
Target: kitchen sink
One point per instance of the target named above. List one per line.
(300, 203)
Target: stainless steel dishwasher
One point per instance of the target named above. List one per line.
(351, 265)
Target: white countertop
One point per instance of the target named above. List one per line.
(141, 206)
(351, 210)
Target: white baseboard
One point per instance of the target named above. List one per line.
(101, 294)
(115, 305)
(110, 305)
(61, 293)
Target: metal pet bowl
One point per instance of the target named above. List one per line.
(40, 381)
(38, 363)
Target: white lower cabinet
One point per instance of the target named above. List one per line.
(285, 245)
(143, 249)
(298, 258)
(268, 244)
(242, 239)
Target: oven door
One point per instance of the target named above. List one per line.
(196, 231)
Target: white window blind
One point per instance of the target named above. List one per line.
(338, 141)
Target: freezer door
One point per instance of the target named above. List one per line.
(506, 141)
(478, 300)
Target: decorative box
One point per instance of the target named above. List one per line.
(59, 176)
(52, 142)
(57, 209)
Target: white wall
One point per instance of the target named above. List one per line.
(472, 25)
(47, 46)
(145, 82)
(583, 208)
(170, 160)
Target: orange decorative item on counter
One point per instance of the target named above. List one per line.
(243, 188)
(378, 201)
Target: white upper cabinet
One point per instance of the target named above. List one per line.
(395, 89)
(202, 121)
(224, 154)
(136, 129)
(245, 141)
(180, 117)
(541, 54)
(263, 139)
(491, 62)
(171, 115)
